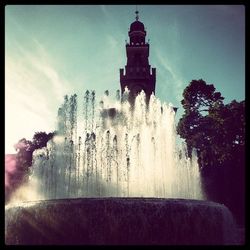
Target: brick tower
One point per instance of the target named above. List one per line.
(138, 74)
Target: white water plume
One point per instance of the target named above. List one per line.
(115, 150)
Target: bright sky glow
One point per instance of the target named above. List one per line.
(51, 51)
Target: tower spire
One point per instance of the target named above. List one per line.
(137, 14)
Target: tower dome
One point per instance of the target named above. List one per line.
(137, 26)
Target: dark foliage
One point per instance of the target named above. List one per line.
(217, 132)
(23, 160)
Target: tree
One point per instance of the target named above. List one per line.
(217, 132)
(23, 160)
(199, 98)
(24, 150)
(40, 139)
(229, 150)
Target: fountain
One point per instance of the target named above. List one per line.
(131, 153)
(114, 174)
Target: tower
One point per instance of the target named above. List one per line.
(138, 75)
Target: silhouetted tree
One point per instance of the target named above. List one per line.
(199, 97)
(40, 139)
(229, 151)
(217, 132)
(25, 149)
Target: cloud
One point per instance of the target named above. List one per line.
(40, 62)
(112, 41)
(178, 81)
(34, 90)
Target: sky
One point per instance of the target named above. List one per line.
(54, 50)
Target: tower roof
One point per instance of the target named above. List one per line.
(137, 26)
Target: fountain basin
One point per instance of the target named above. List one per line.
(119, 221)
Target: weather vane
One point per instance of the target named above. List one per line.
(137, 14)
